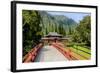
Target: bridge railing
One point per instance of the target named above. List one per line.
(66, 53)
(30, 57)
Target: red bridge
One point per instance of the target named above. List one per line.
(53, 51)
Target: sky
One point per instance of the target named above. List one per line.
(73, 15)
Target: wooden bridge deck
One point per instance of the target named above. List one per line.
(53, 52)
(49, 53)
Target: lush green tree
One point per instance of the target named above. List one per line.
(83, 31)
(62, 30)
(31, 29)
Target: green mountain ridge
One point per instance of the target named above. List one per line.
(53, 23)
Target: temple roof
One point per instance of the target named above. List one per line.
(53, 34)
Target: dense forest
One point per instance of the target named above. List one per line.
(31, 29)
(56, 23)
(82, 33)
(37, 24)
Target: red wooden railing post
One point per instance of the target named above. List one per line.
(32, 54)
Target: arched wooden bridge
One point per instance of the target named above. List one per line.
(52, 52)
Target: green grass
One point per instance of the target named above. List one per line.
(82, 48)
(83, 54)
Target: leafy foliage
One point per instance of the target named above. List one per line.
(36, 24)
(31, 29)
(83, 31)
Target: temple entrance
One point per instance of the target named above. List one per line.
(53, 37)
